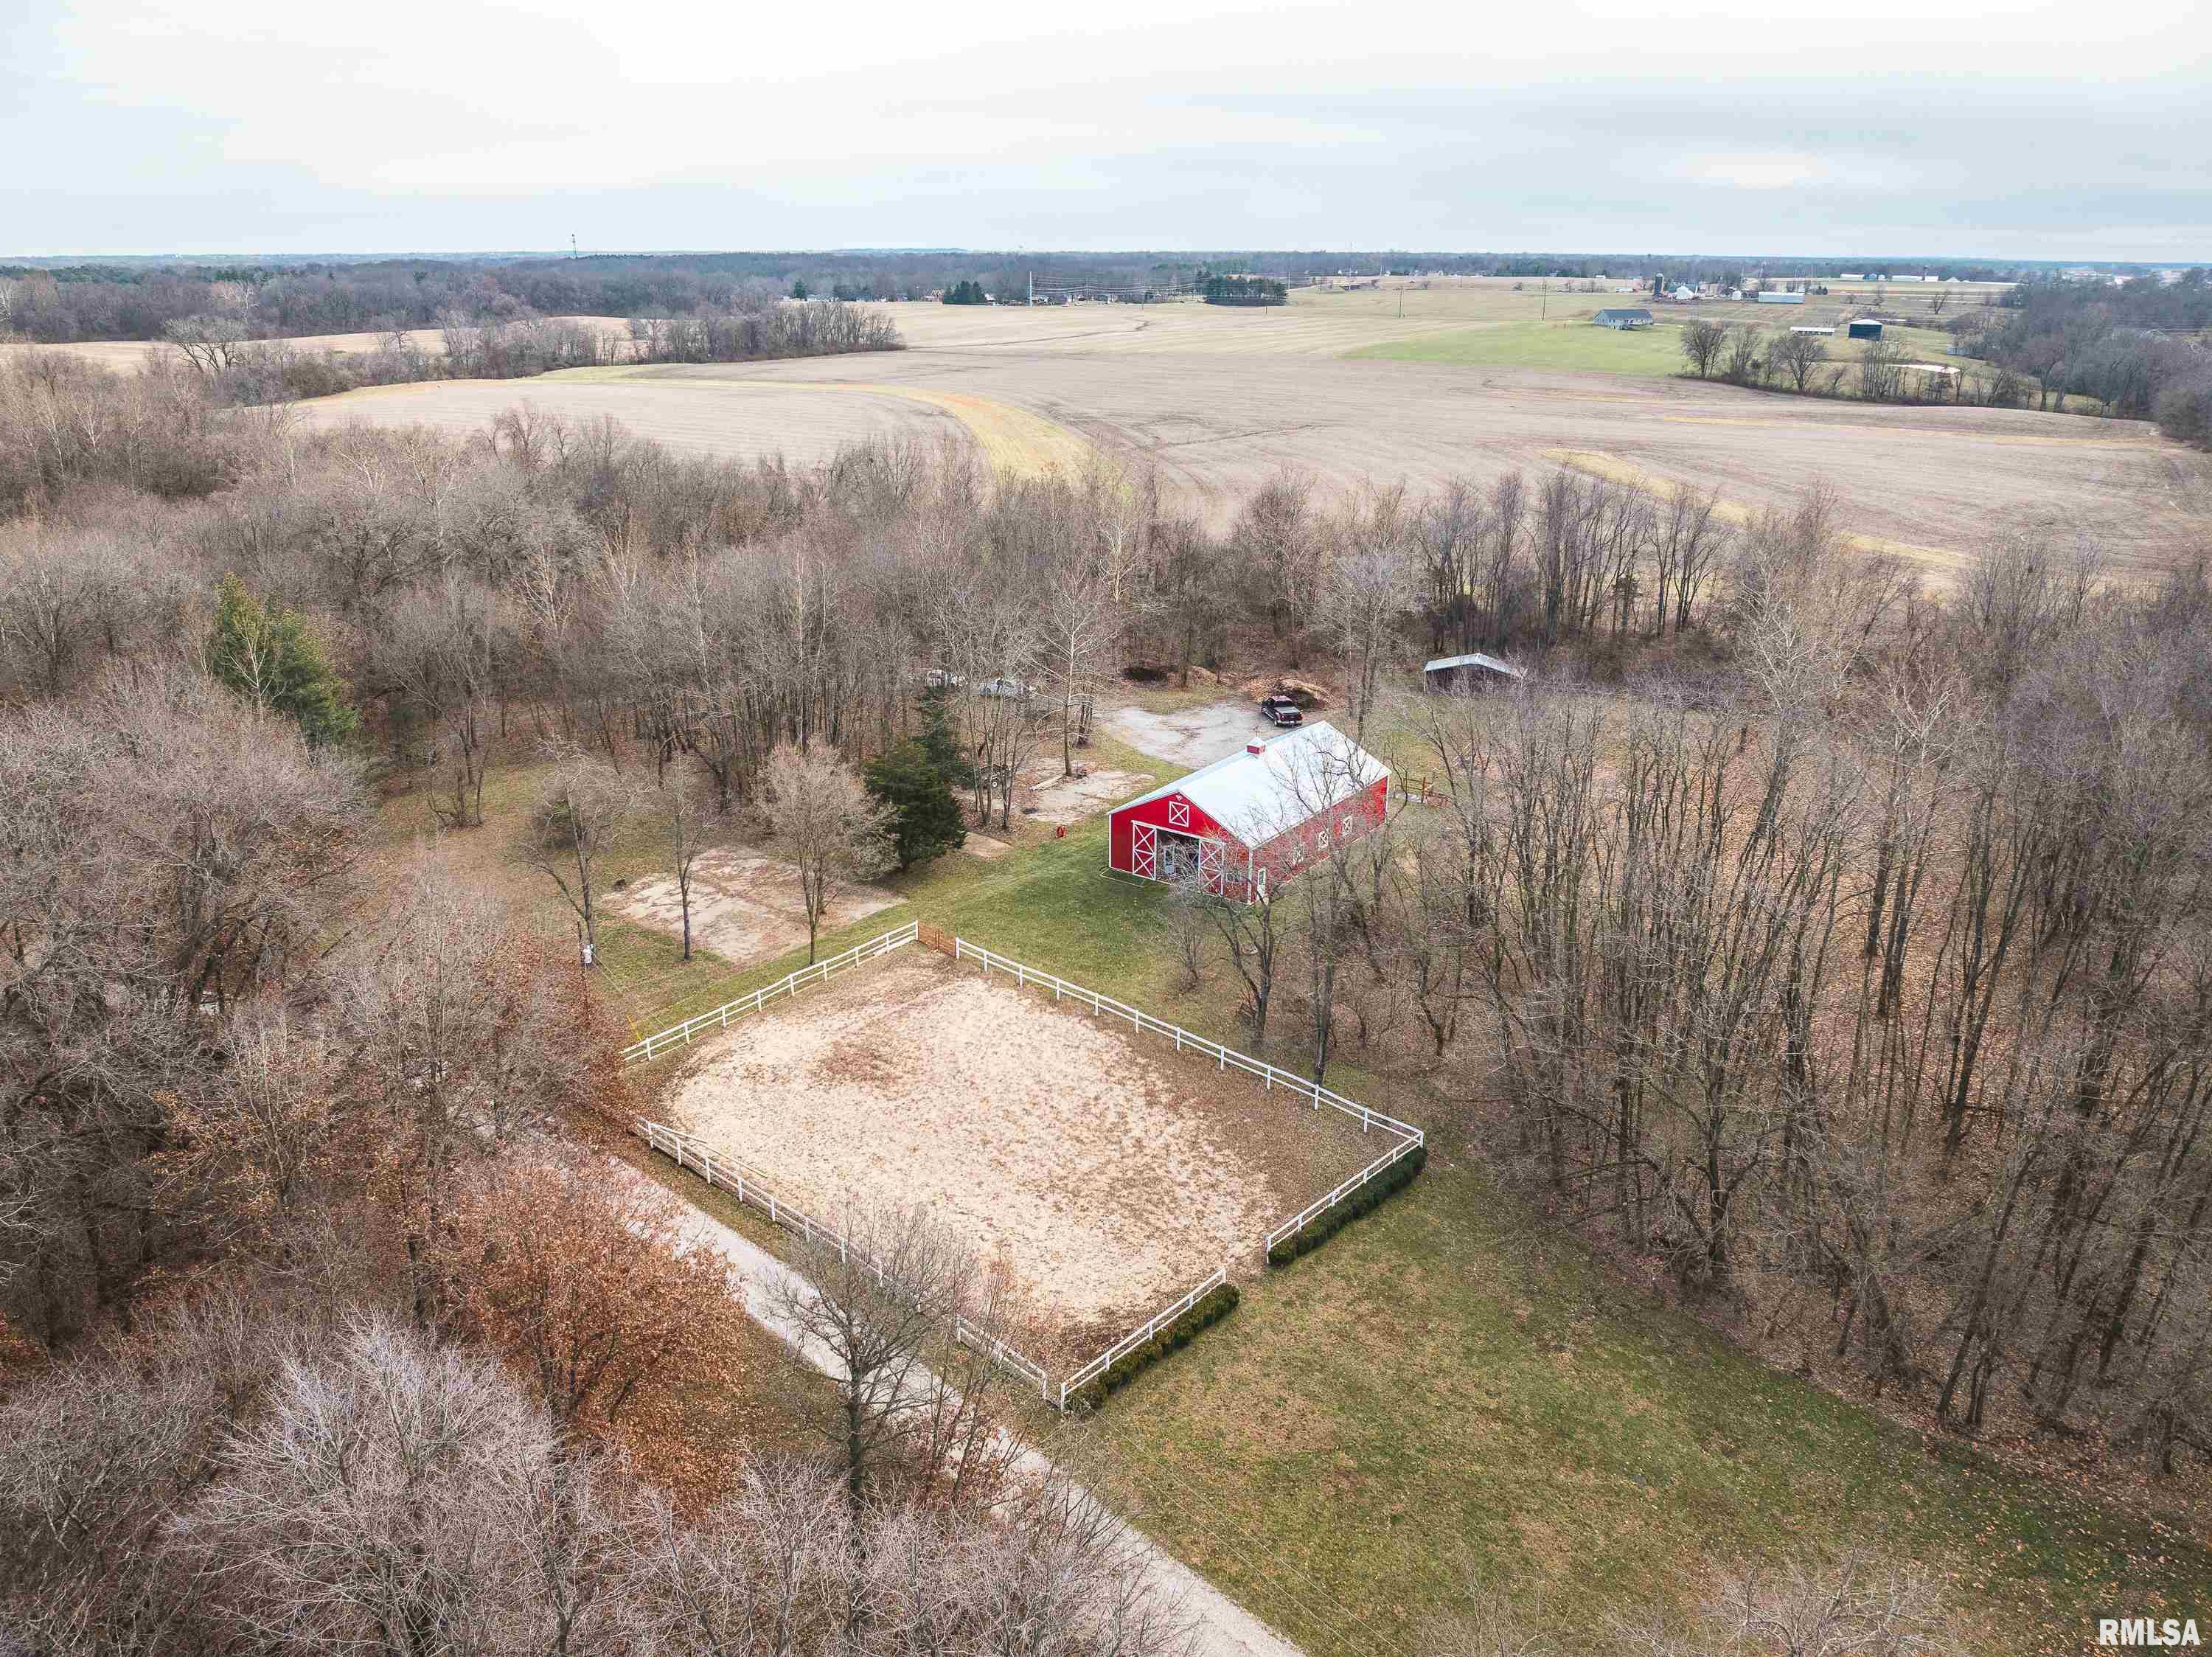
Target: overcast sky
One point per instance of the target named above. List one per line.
(2005, 130)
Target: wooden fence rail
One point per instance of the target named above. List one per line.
(727, 1173)
(1142, 1333)
(680, 1035)
(1225, 1057)
(1408, 1137)
(748, 1185)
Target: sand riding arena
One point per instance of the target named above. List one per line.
(1105, 1170)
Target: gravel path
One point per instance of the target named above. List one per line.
(1222, 1628)
(1195, 737)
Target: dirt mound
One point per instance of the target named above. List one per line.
(1308, 695)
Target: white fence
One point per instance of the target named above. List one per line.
(1225, 1057)
(1407, 1138)
(1138, 1336)
(654, 1045)
(1306, 1216)
(727, 1173)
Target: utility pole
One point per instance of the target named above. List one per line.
(572, 244)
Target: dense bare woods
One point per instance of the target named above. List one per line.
(1870, 998)
(331, 1330)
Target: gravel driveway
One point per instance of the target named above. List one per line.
(1195, 737)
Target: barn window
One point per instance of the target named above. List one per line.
(1179, 813)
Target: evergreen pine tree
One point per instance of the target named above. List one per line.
(272, 659)
(929, 821)
(941, 739)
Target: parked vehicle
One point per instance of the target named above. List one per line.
(1006, 690)
(1281, 711)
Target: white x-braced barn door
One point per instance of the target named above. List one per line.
(1145, 852)
(1209, 865)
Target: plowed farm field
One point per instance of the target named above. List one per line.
(1107, 1172)
(1936, 483)
(128, 356)
(1218, 399)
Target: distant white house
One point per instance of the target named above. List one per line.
(1623, 317)
(1810, 328)
(1766, 297)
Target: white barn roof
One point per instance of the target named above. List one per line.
(1294, 777)
(1473, 658)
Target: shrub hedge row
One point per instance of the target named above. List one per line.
(1364, 1199)
(1211, 1308)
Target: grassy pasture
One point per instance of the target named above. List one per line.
(1585, 347)
(1580, 345)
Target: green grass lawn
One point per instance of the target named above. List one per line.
(1450, 1398)
(1646, 352)
(1444, 1401)
(1584, 345)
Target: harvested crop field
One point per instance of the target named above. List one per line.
(1108, 1172)
(129, 356)
(1940, 481)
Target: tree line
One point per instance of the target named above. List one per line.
(2142, 350)
(240, 369)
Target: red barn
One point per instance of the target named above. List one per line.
(1253, 820)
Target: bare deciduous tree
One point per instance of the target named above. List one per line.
(827, 825)
(402, 1498)
(1080, 625)
(209, 343)
(687, 837)
(1797, 355)
(580, 809)
(1702, 343)
(880, 1308)
(1363, 604)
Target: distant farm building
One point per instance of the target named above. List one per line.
(1864, 331)
(1812, 327)
(1621, 317)
(1684, 292)
(1471, 672)
(1768, 297)
(1242, 826)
